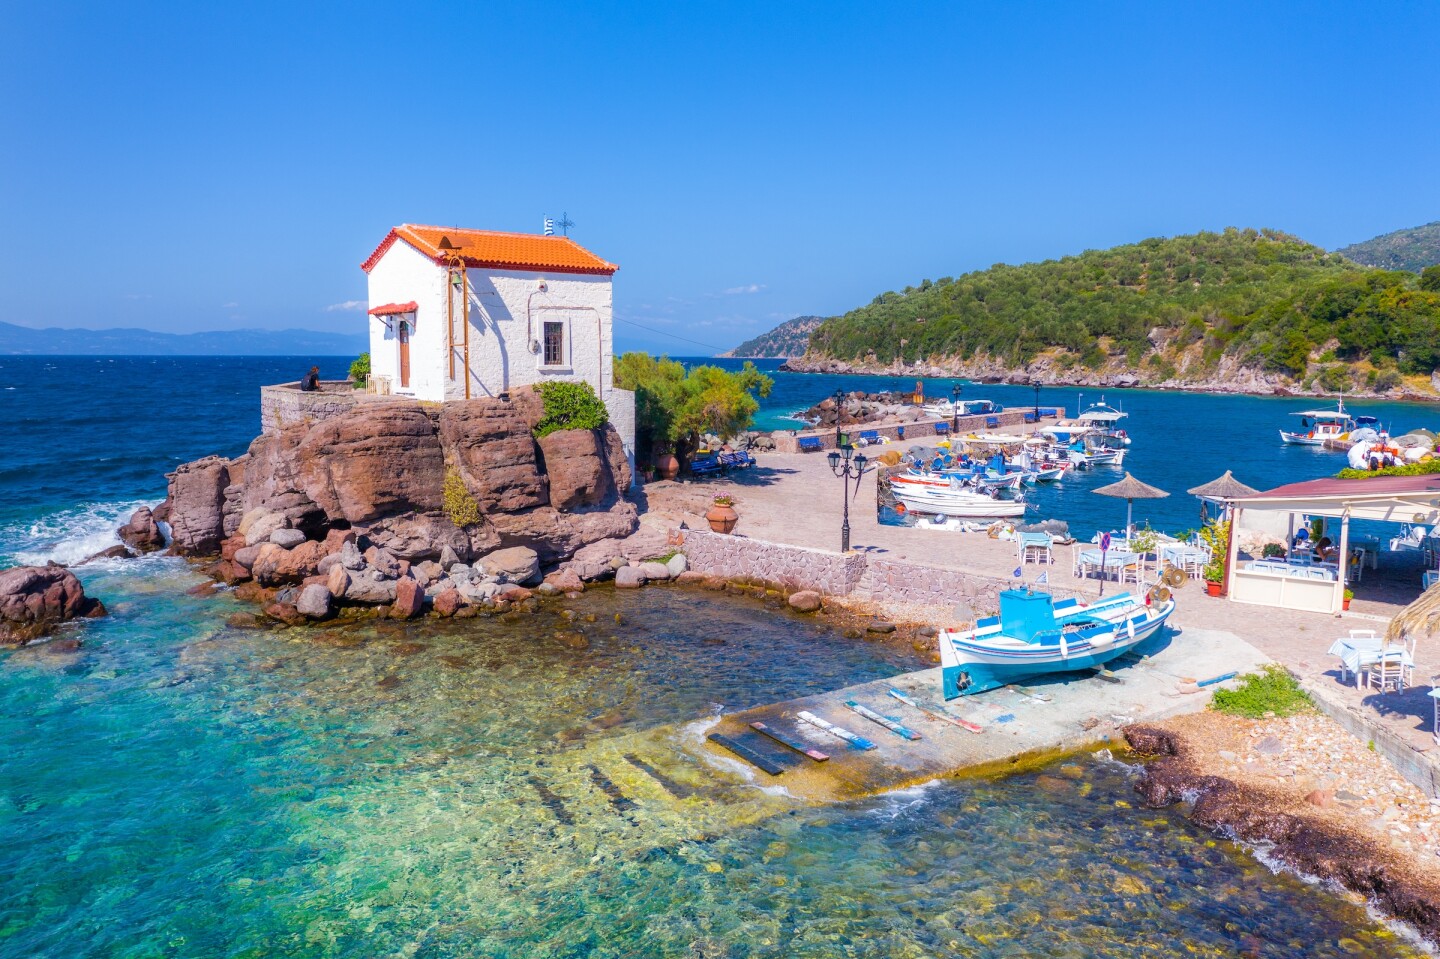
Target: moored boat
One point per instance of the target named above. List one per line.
(957, 501)
(1034, 635)
(1320, 426)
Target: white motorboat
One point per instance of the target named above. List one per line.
(958, 501)
(1319, 426)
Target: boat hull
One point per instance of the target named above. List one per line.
(946, 503)
(1301, 439)
(975, 666)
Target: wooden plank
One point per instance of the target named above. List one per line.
(552, 802)
(789, 742)
(756, 759)
(889, 724)
(859, 742)
(606, 785)
(940, 714)
(677, 789)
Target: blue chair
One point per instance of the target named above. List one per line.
(870, 436)
(706, 466)
(991, 422)
(941, 429)
(810, 444)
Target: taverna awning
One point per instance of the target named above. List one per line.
(1222, 490)
(1390, 499)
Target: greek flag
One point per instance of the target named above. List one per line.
(1044, 578)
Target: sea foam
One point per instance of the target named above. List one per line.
(67, 536)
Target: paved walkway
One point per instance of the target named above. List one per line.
(795, 499)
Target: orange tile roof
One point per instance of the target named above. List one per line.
(501, 251)
(391, 309)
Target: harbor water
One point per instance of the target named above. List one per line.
(180, 787)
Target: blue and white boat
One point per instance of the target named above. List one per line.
(1035, 635)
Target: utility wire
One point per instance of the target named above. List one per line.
(673, 336)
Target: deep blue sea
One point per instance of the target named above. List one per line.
(180, 788)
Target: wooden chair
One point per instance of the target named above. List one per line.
(1036, 547)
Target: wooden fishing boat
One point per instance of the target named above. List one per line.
(1034, 635)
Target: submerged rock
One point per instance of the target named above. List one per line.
(142, 533)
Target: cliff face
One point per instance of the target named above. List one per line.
(415, 481)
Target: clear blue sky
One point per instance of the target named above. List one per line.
(205, 166)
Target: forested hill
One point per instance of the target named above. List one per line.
(1242, 309)
(787, 339)
(1412, 249)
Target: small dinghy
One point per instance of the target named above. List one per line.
(1034, 635)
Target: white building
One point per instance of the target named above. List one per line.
(457, 314)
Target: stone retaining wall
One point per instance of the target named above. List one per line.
(905, 432)
(285, 404)
(795, 567)
(877, 577)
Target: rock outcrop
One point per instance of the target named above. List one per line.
(36, 599)
(142, 533)
(365, 506)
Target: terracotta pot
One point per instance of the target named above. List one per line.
(1344, 604)
(722, 519)
(1212, 589)
(668, 466)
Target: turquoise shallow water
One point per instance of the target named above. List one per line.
(177, 788)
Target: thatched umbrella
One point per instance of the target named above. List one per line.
(1130, 489)
(1224, 490)
(1420, 618)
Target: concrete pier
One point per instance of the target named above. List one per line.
(1030, 723)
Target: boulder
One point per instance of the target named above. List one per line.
(315, 601)
(285, 612)
(427, 572)
(351, 557)
(448, 556)
(421, 536)
(516, 564)
(328, 563)
(287, 538)
(629, 577)
(233, 544)
(677, 565)
(478, 592)
(275, 565)
(494, 453)
(266, 563)
(655, 572)
(805, 601)
(35, 599)
(264, 525)
(337, 581)
(197, 503)
(556, 535)
(142, 532)
(370, 589)
(409, 599)
(566, 581)
(382, 561)
(448, 602)
(578, 475)
(118, 551)
(249, 519)
(246, 555)
(379, 459)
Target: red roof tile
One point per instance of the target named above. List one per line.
(528, 252)
(1376, 486)
(390, 309)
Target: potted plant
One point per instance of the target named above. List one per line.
(1272, 551)
(1345, 599)
(1216, 536)
(722, 516)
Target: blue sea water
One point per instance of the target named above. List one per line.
(180, 788)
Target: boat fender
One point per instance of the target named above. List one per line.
(901, 508)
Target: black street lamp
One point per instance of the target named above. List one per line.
(845, 464)
(839, 408)
(1036, 384)
(955, 392)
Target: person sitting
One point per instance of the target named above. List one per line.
(1324, 551)
(311, 382)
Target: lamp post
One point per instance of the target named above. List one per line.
(955, 392)
(839, 408)
(1037, 400)
(845, 464)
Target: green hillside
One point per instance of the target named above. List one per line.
(1176, 310)
(1412, 249)
(787, 339)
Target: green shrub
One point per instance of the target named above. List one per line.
(1272, 551)
(1409, 469)
(360, 369)
(1387, 380)
(570, 406)
(1216, 535)
(1272, 690)
(460, 506)
(1335, 379)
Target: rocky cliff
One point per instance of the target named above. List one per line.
(414, 480)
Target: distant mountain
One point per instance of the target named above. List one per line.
(20, 340)
(1412, 249)
(788, 339)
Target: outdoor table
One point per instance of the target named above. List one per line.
(1357, 653)
(1113, 560)
(1182, 556)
